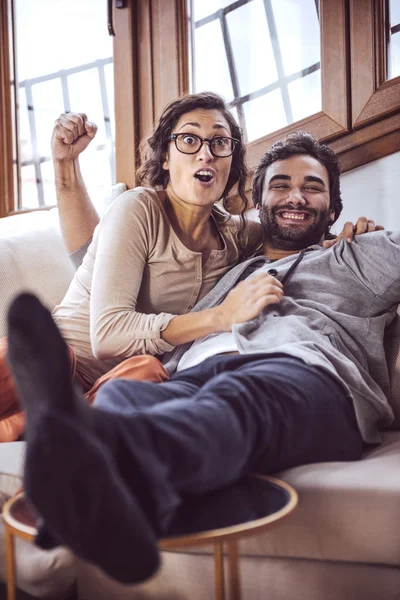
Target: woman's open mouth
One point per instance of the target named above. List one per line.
(205, 177)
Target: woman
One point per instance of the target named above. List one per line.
(157, 251)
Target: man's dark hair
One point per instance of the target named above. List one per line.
(301, 142)
(154, 149)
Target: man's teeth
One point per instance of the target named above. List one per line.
(290, 215)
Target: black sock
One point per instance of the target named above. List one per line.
(70, 475)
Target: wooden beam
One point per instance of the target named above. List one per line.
(6, 115)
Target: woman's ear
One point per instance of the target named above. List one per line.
(165, 164)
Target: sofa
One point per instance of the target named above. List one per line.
(341, 542)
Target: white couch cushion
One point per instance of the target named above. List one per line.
(348, 511)
(32, 258)
(116, 190)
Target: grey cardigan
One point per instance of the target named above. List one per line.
(334, 313)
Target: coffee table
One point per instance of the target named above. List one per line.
(220, 518)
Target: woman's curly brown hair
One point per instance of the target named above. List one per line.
(155, 148)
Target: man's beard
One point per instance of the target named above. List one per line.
(293, 237)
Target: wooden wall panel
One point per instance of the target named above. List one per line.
(150, 69)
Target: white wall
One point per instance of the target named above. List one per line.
(372, 191)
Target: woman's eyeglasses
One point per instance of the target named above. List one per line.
(189, 143)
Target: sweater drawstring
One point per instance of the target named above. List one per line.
(294, 265)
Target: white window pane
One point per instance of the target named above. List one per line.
(109, 74)
(264, 114)
(49, 188)
(60, 34)
(211, 71)
(298, 33)
(84, 94)
(25, 142)
(29, 187)
(248, 29)
(48, 104)
(394, 12)
(234, 112)
(52, 37)
(95, 162)
(204, 8)
(305, 95)
(394, 55)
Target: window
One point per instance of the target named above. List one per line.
(330, 67)
(343, 87)
(265, 57)
(149, 68)
(57, 75)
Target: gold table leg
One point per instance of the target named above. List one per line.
(10, 563)
(219, 571)
(234, 572)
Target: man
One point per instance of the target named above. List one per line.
(305, 381)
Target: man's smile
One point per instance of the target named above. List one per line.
(290, 216)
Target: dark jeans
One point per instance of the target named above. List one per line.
(213, 423)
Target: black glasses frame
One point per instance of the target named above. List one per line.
(175, 136)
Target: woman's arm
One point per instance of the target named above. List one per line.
(243, 303)
(117, 329)
(349, 230)
(78, 218)
(122, 250)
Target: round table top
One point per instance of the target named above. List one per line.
(20, 514)
(240, 509)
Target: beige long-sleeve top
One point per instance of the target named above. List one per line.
(136, 276)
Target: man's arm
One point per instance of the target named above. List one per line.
(78, 218)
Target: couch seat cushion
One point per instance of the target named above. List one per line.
(347, 511)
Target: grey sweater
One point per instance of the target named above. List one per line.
(334, 313)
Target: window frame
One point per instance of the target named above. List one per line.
(368, 126)
(360, 116)
(6, 115)
(375, 113)
(373, 96)
(334, 118)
